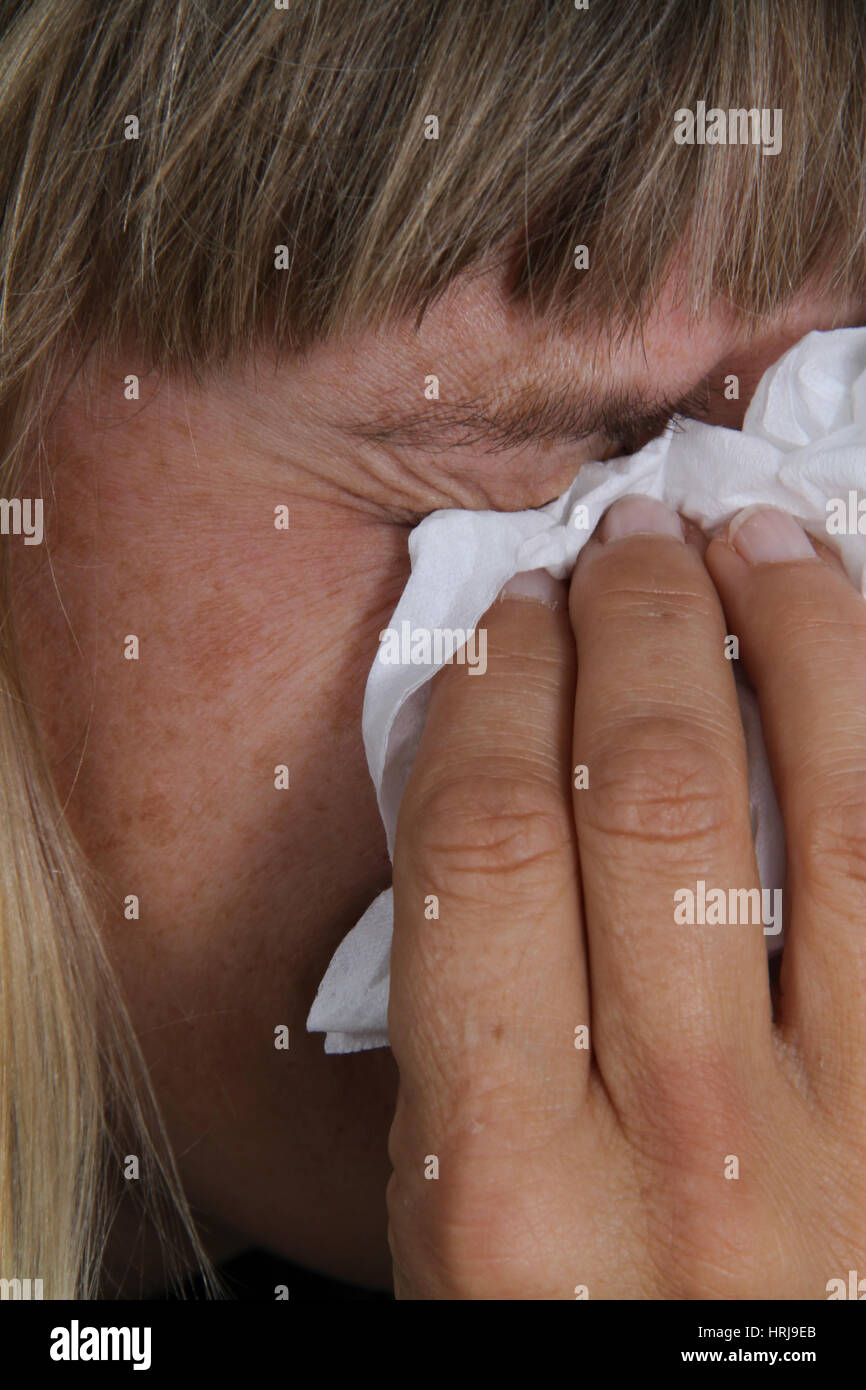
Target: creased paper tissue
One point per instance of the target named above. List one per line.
(802, 447)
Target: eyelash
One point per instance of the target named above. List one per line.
(694, 404)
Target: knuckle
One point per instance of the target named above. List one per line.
(458, 1234)
(478, 826)
(712, 1249)
(435, 1225)
(656, 779)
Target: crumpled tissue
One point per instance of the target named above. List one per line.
(802, 446)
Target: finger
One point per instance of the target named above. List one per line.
(666, 810)
(802, 629)
(486, 995)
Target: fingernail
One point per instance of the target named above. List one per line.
(537, 586)
(763, 535)
(639, 516)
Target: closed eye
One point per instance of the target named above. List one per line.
(694, 405)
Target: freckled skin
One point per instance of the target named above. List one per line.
(255, 648)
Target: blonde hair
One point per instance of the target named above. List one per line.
(304, 127)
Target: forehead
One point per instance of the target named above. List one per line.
(478, 346)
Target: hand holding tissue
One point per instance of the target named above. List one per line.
(802, 448)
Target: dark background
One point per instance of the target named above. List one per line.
(252, 1276)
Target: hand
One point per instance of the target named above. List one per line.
(702, 1146)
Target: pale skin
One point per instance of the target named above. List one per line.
(255, 647)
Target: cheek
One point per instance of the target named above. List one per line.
(253, 649)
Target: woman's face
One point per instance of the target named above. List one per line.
(254, 648)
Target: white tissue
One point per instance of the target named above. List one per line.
(803, 442)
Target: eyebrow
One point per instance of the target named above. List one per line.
(530, 416)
